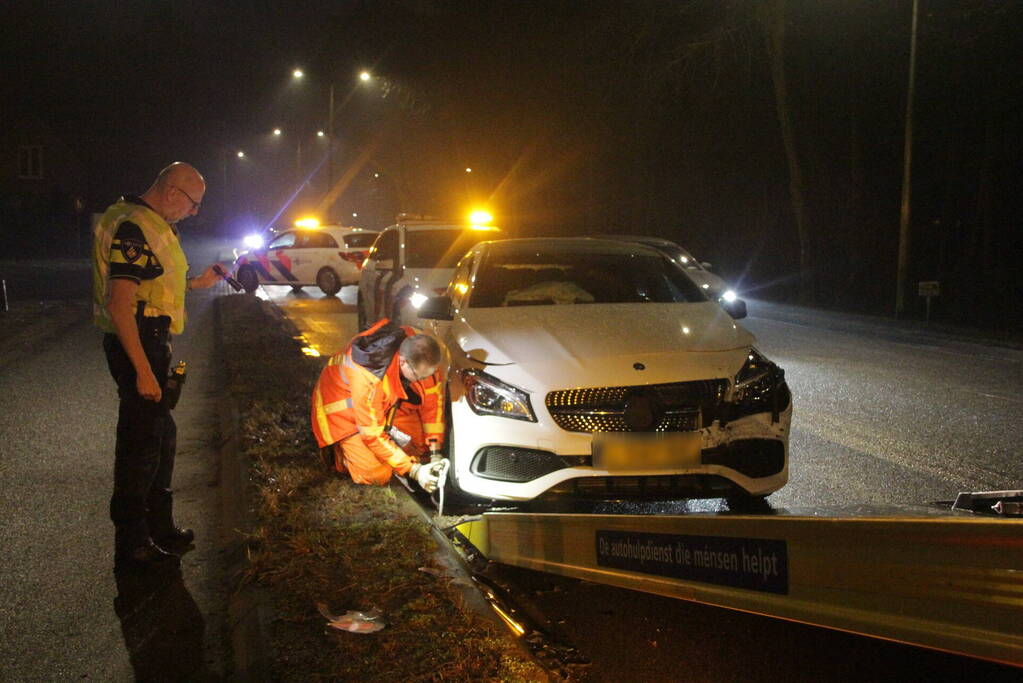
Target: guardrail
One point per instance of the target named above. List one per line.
(952, 584)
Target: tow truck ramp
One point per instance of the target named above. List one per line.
(949, 583)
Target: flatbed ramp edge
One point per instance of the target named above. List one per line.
(951, 583)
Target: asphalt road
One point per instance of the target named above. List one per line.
(63, 615)
(886, 414)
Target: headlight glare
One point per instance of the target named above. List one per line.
(417, 300)
(253, 241)
(487, 395)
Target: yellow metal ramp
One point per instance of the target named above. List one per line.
(949, 583)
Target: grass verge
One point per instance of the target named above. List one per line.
(322, 539)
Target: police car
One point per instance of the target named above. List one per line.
(412, 260)
(328, 256)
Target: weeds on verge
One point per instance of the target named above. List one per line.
(320, 538)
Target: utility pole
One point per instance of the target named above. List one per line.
(330, 144)
(907, 163)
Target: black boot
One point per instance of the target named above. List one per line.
(175, 538)
(146, 555)
(160, 518)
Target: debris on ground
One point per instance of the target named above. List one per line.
(353, 621)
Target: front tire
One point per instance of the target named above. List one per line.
(248, 279)
(328, 281)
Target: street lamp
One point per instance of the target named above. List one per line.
(277, 131)
(241, 154)
(320, 133)
(297, 73)
(365, 77)
(468, 170)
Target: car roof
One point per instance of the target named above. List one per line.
(642, 239)
(417, 225)
(567, 244)
(333, 229)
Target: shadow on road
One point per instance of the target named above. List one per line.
(161, 625)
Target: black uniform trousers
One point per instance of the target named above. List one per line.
(146, 441)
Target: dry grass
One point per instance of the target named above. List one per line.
(321, 538)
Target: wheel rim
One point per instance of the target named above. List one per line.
(329, 280)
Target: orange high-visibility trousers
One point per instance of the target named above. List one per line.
(354, 455)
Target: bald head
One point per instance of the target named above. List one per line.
(177, 192)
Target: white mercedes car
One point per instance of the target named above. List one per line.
(596, 369)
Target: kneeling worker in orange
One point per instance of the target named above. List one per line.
(383, 389)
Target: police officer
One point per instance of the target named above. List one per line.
(139, 284)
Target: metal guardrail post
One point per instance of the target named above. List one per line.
(3, 295)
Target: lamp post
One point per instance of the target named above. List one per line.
(907, 165)
(365, 77)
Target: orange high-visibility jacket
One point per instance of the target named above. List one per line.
(361, 387)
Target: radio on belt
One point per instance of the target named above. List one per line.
(172, 390)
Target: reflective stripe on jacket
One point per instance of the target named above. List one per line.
(360, 388)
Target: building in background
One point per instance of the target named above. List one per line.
(43, 190)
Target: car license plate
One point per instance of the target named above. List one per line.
(636, 451)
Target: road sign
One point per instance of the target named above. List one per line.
(928, 289)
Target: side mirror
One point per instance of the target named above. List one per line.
(436, 308)
(385, 264)
(735, 308)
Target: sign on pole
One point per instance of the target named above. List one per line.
(928, 289)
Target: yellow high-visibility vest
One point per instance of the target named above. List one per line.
(163, 295)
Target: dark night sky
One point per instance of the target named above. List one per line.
(645, 116)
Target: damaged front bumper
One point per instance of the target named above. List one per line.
(739, 455)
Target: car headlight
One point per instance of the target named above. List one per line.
(729, 295)
(488, 395)
(253, 241)
(760, 387)
(417, 299)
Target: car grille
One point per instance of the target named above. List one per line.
(506, 463)
(754, 458)
(662, 487)
(675, 407)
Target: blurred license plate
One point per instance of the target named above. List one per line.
(625, 451)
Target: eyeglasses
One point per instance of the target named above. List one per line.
(195, 204)
(413, 371)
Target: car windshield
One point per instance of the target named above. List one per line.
(563, 276)
(360, 239)
(681, 257)
(440, 248)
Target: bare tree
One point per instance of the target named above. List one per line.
(772, 19)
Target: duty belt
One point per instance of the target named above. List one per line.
(152, 327)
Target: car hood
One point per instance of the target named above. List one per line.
(430, 280)
(543, 347)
